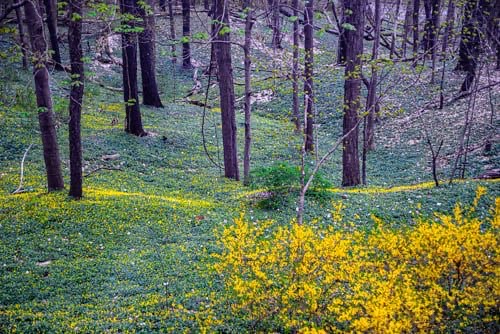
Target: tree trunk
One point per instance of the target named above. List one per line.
(222, 48)
(308, 74)
(295, 67)
(416, 33)
(372, 88)
(469, 44)
(133, 121)
(76, 97)
(248, 91)
(43, 98)
(171, 18)
(342, 43)
(395, 29)
(163, 5)
(147, 56)
(407, 27)
(274, 7)
(186, 24)
(450, 22)
(352, 88)
(22, 42)
(431, 27)
(51, 11)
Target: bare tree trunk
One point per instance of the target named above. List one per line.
(416, 33)
(308, 74)
(186, 34)
(51, 11)
(76, 97)
(248, 91)
(22, 41)
(133, 121)
(147, 57)
(431, 27)
(469, 44)
(43, 97)
(222, 49)
(295, 67)
(274, 6)
(450, 22)
(171, 19)
(395, 29)
(371, 100)
(342, 43)
(407, 27)
(352, 89)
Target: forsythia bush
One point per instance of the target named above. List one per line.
(435, 276)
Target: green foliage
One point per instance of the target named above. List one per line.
(282, 181)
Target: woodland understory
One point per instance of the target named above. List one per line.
(368, 199)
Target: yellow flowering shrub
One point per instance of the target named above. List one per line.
(436, 276)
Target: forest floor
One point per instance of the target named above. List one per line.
(133, 254)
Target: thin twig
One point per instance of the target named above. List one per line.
(20, 189)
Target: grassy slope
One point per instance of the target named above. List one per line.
(132, 254)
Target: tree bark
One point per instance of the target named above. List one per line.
(274, 7)
(416, 32)
(407, 27)
(308, 74)
(186, 34)
(431, 27)
(450, 23)
(171, 19)
(222, 48)
(342, 43)
(248, 91)
(51, 11)
(147, 57)
(22, 42)
(133, 121)
(76, 97)
(295, 67)
(372, 88)
(469, 44)
(395, 29)
(43, 97)
(352, 89)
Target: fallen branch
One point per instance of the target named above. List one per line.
(20, 189)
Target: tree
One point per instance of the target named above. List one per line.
(354, 13)
(415, 17)
(308, 74)
(20, 26)
(171, 19)
(51, 11)
(76, 96)
(186, 27)
(477, 14)
(222, 49)
(371, 99)
(295, 66)
(43, 96)
(248, 89)
(342, 43)
(431, 27)
(150, 94)
(133, 121)
(274, 7)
